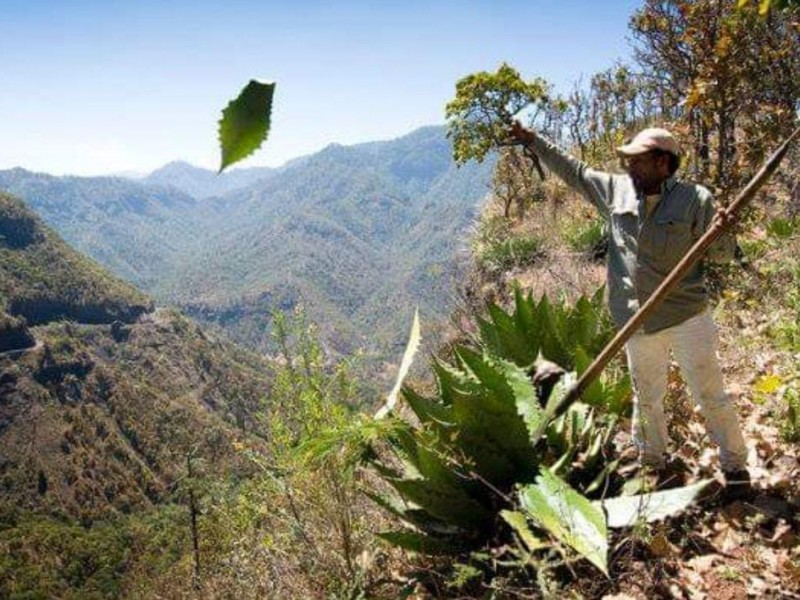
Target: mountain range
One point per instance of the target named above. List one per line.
(359, 234)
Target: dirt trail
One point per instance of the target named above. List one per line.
(19, 352)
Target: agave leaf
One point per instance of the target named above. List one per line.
(568, 517)
(422, 543)
(506, 405)
(415, 517)
(560, 466)
(601, 478)
(451, 382)
(594, 394)
(489, 459)
(450, 504)
(405, 364)
(245, 122)
(385, 471)
(504, 338)
(428, 410)
(627, 511)
(526, 319)
(583, 322)
(560, 389)
(436, 470)
(519, 523)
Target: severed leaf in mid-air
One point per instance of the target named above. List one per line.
(245, 122)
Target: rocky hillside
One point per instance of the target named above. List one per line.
(101, 398)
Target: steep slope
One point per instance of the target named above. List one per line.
(42, 279)
(99, 415)
(100, 419)
(135, 230)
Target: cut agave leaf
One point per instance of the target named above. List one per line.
(627, 511)
(567, 516)
(405, 365)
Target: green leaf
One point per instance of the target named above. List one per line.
(568, 517)
(627, 511)
(446, 503)
(507, 337)
(451, 382)
(428, 410)
(245, 122)
(519, 523)
(408, 357)
(505, 405)
(415, 517)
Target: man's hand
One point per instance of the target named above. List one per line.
(520, 133)
(729, 222)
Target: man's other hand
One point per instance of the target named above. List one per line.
(520, 133)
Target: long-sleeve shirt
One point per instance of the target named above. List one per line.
(644, 245)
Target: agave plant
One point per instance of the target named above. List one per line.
(473, 455)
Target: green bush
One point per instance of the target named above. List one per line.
(586, 237)
(509, 253)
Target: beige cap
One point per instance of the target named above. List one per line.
(652, 138)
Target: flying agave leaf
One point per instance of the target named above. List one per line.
(245, 122)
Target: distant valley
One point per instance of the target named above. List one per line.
(360, 235)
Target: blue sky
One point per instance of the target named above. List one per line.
(94, 87)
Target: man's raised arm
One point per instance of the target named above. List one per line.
(596, 186)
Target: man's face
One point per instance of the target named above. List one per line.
(648, 171)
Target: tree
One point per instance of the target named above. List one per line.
(733, 74)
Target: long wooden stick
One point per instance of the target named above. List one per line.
(721, 222)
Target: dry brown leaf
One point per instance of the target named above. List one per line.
(726, 540)
(704, 563)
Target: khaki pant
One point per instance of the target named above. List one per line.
(694, 346)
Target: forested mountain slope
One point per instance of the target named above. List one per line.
(99, 414)
(203, 183)
(135, 230)
(42, 279)
(357, 232)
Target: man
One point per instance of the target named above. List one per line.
(653, 220)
